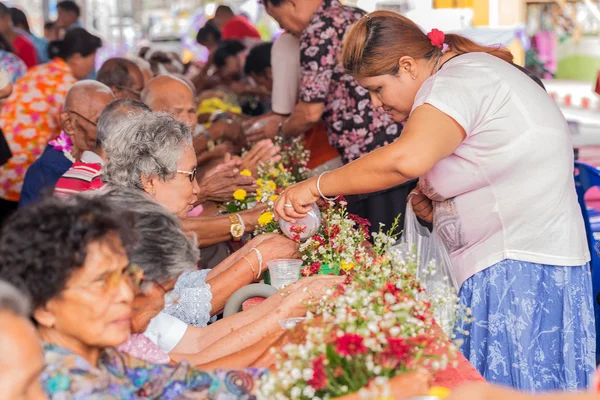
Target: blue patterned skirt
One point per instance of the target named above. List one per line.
(533, 326)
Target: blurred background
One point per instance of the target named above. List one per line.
(558, 40)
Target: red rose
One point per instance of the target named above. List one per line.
(350, 344)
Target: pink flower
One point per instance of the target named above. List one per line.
(319, 378)
(350, 344)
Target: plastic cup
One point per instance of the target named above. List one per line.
(284, 272)
(305, 227)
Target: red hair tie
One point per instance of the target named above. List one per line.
(438, 38)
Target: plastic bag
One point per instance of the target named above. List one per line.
(434, 268)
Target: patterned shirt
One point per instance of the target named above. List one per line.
(119, 376)
(13, 65)
(354, 126)
(30, 118)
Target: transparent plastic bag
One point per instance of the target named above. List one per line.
(434, 268)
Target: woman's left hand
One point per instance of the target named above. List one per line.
(279, 247)
(295, 202)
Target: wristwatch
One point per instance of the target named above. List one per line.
(237, 227)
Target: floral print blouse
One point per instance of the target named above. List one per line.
(69, 376)
(354, 126)
(13, 65)
(30, 118)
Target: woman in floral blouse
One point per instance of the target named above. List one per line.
(30, 116)
(76, 269)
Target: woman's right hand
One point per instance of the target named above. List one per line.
(305, 290)
(295, 202)
(422, 205)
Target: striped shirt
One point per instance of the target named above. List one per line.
(84, 175)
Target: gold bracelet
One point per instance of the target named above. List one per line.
(251, 266)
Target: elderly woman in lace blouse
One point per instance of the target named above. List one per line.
(164, 253)
(153, 153)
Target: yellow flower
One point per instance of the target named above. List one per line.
(265, 218)
(440, 392)
(260, 182)
(246, 172)
(272, 185)
(347, 266)
(259, 192)
(239, 194)
(274, 197)
(281, 167)
(275, 173)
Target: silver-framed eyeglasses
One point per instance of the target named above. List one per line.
(191, 174)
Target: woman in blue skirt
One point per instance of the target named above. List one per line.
(494, 159)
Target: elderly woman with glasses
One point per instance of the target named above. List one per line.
(83, 286)
(164, 252)
(153, 153)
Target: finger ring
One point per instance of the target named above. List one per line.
(288, 206)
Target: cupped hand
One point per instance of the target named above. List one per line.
(220, 185)
(262, 152)
(228, 130)
(295, 202)
(267, 131)
(422, 205)
(304, 292)
(279, 247)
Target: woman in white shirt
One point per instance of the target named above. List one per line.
(495, 162)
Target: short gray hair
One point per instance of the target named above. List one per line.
(144, 145)
(113, 114)
(161, 248)
(13, 301)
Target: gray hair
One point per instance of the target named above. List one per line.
(142, 146)
(13, 301)
(161, 248)
(113, 114)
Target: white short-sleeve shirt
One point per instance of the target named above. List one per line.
(507, 192)
(285, 67)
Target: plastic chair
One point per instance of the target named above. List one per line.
(587, 177)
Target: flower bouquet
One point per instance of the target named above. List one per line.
(374, 327)
(339, 245)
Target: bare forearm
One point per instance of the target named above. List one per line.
(242, 338)
(296, 125)
(376, 171)
(229, 281)
(240, 359)
(208, 230)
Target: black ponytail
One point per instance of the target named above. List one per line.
(76, 41)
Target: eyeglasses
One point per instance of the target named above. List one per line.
(81, 116)
(137, 93)
(132, 274)
(191, 174)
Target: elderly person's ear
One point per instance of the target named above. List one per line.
(149, 186)
(44, 317)
(67, 123)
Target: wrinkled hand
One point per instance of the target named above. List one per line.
(278, 247)
(295, 202)
(303, 292)
(422, 205)
(228, 130)
(262, 152)
(267, 131)
(219, 186)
